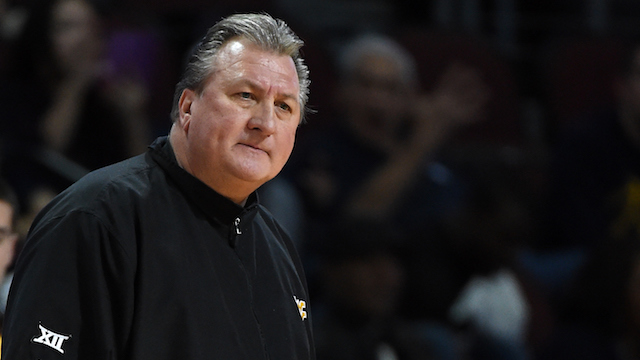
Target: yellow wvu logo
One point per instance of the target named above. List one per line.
(301, 307)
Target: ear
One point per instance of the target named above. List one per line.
(184, 105)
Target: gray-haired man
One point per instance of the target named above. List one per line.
(169, 255)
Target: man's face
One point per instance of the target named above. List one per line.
(241, 129)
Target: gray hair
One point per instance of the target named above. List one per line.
(262, 30)
(375, 44)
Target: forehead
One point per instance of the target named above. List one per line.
(239, 58)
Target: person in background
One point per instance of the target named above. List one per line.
(170, 254)
(65, 109)
(379, 159)
(380, 152)
(9, 211)
(596, 166)
(362, 280)
(593, 182)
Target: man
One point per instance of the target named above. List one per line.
(169, 255)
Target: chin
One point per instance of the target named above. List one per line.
(261, 171)
(254, 176)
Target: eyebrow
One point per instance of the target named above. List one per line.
(254, 85)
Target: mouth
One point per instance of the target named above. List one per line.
(254, 148)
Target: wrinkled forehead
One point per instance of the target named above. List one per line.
(243, 55)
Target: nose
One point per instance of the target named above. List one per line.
(263, 119)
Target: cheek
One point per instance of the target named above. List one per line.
(287, 142)
(203, 139)
(207, 122)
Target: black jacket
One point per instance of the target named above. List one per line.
(140, 260)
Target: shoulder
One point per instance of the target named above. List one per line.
(107, 191)
(104, 207)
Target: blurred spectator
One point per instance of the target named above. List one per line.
(379, 158)
(380, 154)
(595, 177)
(64, 110)
(362, 280)
(8, 241)
(380, 161)
(597, 166)
(501, 311)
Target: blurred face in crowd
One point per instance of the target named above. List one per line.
(75, 35)
(376, 99)
(7, 237)
(238, 131)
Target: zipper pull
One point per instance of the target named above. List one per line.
(236, 224)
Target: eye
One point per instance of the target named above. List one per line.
(284, 106)
(245, 95)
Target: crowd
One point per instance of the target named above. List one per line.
(442, 211)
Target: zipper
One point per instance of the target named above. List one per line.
(236, 225)
(234, 232)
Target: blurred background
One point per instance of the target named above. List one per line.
(466, 184)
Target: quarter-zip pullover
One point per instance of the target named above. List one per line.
(141, 260)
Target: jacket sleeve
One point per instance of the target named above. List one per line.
(72, 295)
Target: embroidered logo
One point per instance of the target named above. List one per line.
(51, 339)
(301, 306)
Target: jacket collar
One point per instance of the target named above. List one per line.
(208, 200)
